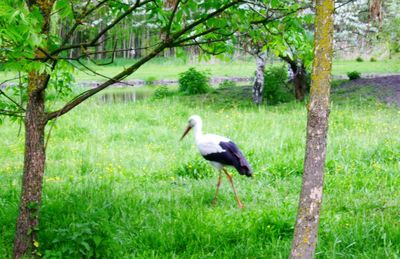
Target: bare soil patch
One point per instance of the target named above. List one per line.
(386, 88)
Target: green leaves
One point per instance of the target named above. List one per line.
(63, 8)
(19, 35)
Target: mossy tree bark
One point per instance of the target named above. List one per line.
(25, 242)
(306, 230)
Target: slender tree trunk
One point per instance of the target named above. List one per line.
(299, 77)
(25, 243)
(299, 81)
(259, 81)
(306, 230)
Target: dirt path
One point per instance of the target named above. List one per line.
(387, 88)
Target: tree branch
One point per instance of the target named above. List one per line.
(269, 19)
(78, 21)
(101, 75)
(205, 18)
(85, 95)
(93, 42)
(164, 44)
(195, 36)
(171, 18)
(9, 98)
(11, 113)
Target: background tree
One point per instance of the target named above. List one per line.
(390, 27)
(280, 32)
(295, 48)
(306, 229)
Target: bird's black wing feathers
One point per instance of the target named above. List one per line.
(241, 163)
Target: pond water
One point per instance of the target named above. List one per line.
(125, 96)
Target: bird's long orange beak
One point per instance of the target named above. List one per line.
(188, 128)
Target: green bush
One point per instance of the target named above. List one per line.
(227, 84)
(197, 169)
(372, 59)
(193, 82)
(276, 89)
(359, 59)
(354, 75)
(161, 92)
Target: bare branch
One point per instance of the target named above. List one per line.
(86, 54)
(101, 75)
(11, 113)
(78, 21)
(117, 20)
(343, 4)
(171, 18)
(8, 80)
(94, 42)
(269, 19)
(193, 37)
(205, 18)
(85, 95)
(107, 63)
(12, 100)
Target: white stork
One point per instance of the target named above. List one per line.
(220, 152)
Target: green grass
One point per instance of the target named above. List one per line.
(171, 68)
(114, 186)
(342, 67)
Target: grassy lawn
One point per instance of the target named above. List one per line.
(170, 69)
(341, 67)
(119, 184)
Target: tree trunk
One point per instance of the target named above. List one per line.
(25, 243)
(306, 230)
(259, 81)
(299, 77)
(299, 81)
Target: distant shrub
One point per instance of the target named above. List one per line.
(227, 84)
(161, 92)
(193, 82)
(354, 75)
(275, 85)
(150, 80)
(372, 59)
(359, 59)
(197, 169)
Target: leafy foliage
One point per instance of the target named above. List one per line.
(161, 92)
(275, 85)
(193, 82)
(354, 75)
(359, 59)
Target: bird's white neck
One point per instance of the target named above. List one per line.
(198, 133)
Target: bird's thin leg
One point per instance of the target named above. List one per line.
(218, 185)
(233, 187)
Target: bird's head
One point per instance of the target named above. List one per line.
(193, 121)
